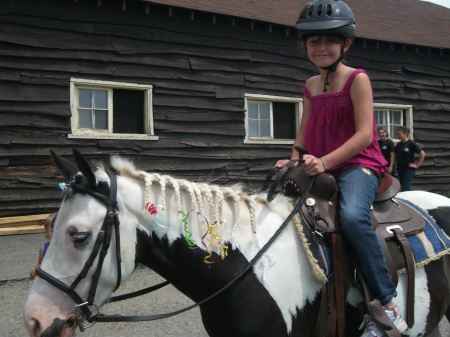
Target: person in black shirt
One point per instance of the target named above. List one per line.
(387, 148)
(406, 165)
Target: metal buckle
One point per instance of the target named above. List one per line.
(395, 202)
(389, 229)
(80, 317)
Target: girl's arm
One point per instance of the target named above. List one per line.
(362, 99)
(41, 256)
(392, 161)
(420, 161)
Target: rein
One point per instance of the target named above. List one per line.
(104, 238)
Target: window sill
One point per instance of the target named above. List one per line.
(269, 141)
(113, 136)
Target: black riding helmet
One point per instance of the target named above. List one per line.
(327, 17)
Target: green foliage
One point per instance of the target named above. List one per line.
(445, 193)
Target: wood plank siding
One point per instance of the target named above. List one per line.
(200, 66)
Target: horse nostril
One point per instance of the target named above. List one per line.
(35, 327)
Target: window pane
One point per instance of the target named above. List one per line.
(253, 128)
(84, 119)
(101, 99)
(101, 119)
(264, 110)
(252, 110)
(128, 111)
(264, 128)
(380, 117)
(284, 120)
(85, 98)
(396, 117)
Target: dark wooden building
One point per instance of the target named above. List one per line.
(206, 90)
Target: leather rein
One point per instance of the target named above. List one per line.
(101, 246)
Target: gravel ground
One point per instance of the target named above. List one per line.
(20, 254)
(13, 295)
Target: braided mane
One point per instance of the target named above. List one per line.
(214, 194)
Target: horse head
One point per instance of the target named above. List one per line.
(75, 258)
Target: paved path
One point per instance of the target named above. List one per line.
(19, 256)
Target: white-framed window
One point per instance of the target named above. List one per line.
(271, 119)
(392, 116)
(111, 110)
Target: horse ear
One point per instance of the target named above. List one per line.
(67, 167)
(84, 167)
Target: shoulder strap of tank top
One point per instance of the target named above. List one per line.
(348, 85)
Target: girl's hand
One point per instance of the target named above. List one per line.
(281, 163)
(312, 165)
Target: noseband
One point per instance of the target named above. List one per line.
(101, 247)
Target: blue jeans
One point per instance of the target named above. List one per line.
(406, 177)
(357, 191)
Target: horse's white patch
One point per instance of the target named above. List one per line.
(425, 200)
(422, 300)
(288, 278)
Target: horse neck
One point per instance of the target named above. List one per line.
(194, 217)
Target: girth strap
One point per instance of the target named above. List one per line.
(408, 254)
(387, 255)
(400, 237)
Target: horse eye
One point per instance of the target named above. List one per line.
(81, 236)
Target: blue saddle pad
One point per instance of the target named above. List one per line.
(427, 245)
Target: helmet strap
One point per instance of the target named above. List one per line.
(332, 68)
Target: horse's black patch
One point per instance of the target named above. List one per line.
(54, 330)
(240, 310)
(442, 217)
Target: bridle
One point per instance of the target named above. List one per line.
(101, 247)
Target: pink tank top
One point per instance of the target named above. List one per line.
(332, 123)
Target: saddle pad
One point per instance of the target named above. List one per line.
(429, 245)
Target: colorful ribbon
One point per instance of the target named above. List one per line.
(187, 237)
(153, 210)
(210, 236)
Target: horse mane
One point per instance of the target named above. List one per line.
(214, 194)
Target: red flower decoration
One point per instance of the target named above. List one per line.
(151, 208)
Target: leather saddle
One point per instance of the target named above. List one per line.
(391, 219)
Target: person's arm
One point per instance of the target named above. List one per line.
(41, 256)
(420, 161)
(361, 95)
(391, 162)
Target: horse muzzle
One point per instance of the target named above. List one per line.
(58, 328)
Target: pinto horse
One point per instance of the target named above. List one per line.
(199, 237)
